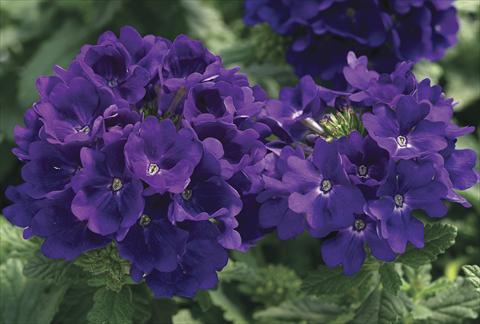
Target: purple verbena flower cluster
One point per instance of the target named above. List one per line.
(362, 162)
(386, 31)
(152, 145)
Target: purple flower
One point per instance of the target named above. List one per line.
(187, 62)
(404, 132)
(207, 197)
(221, 100)
(161, 156)
(347, 246)
(24, 207)
(149, 143)
(50, 169)
(235, 149)
(295, 105)
(386, 31)
(364, 162)
(110, 65)
(274, 211)
(154, 243)
(24, 136)
(410, 185)
(73, 112)
(197, 265)
(107, 195)
(325, 186)
(65, 236)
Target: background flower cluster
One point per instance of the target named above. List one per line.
(149, 143)
(386, 31)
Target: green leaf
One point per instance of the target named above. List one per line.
(237, 271)
(381, 307)
(41, 267)
(438, 238)
(453, 305)
(110, 307)
(184, 317)
(203, 299)
(325, 281)
(231, 312)
(390, 278)
(13, 245)
(75, 305)
(472, 273)
(26, 300)
(309, 309)
(141, 304)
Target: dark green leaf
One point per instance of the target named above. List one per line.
(438, 238)
(391, 280)
(41, 267)
(110, 307)
(381, 307)
(231, 311)
(326, 281)
(203, 299)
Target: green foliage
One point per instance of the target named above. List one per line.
(110, 307)
(473, 275)
(381, 307)
(390, 278)
(231, 311)
(330, 282)
(40, 267)
(438, 238)
(452, 305)
(26, 300)
(271, 285)
(105, 267)
(305, 310)
(184, 317)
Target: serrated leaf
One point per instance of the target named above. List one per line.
(381, 307)
(110, 307)
(141, 304)
(453, 305)
(78, 300)
(184, 317)
(25, 300)
(472, 273)
(309, 309)
(326, 281)
(238, 271)
(438, 238)
(390, 278)
(41, 267)
(231, 312)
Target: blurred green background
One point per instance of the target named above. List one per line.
(36, 34)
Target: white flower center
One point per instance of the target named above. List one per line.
(152, 169)
(402, 141)
(398, 200)
(326, 186)
(117, 184)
